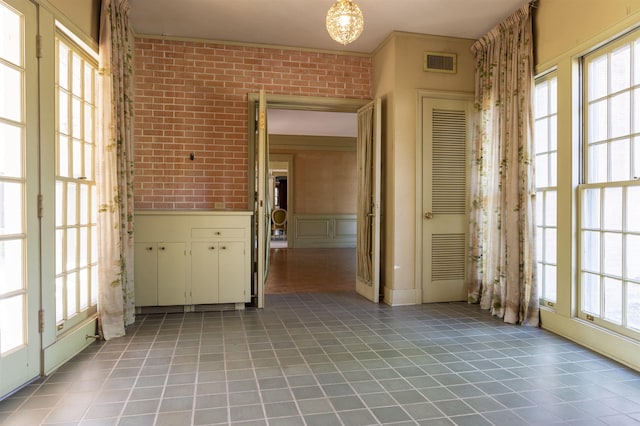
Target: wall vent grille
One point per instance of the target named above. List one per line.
(440, 62)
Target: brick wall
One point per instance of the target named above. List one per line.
(192, 97)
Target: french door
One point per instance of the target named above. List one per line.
(19, 188)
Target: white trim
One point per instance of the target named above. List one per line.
(402, 297)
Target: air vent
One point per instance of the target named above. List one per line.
(440, 62)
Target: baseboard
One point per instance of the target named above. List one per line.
(395, 297)
(69, 345)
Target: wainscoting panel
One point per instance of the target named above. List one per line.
(324, 231)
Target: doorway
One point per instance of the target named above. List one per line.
(298, 227)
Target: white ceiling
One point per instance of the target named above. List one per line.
(301, 23)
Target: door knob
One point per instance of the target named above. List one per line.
(428, 215)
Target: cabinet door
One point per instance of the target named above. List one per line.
(231, 272)
(145, 271)
(204, 272)
(171, 274)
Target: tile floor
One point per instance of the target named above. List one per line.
(331, 359)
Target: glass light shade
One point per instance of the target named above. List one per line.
(344, 21)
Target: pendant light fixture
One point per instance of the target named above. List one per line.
(344, 21)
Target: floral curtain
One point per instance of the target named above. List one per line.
(502, 265)
(116, 307)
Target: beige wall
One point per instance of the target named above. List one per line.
(325, 182)
(398, 76)
(561, 25)
(85, 15)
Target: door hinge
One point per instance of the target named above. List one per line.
(38, 46)
(40, 207)
(40, 321)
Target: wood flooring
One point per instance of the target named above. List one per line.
(311, 270)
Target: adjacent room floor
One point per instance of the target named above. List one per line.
(331, 359)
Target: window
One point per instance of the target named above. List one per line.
(76, 204)
(13, 183)
(610, 194)
(546, 147)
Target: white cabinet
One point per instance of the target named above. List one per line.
(217, 272)
(159, 274)
(192, 258)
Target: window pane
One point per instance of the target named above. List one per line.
(598, 121)
(11, 266)
(542, 136)
(612, 214)
(540, 245)
(84, 204)
(598, 164)
(71, 204)
(59, 299)
(636, 108)
(88, 162)
(591, 251)
(76, 118)
(636, 158)
(11, 157)
(633, 201)
(620, 164)
(620, 115)
(612, 253)
(632, 261)
(84, 247)
(591, 209)
(10, 47)
(553, 133)
(94, 285)
(72, 294)
(84, 289)
(88, 81)
(12, 323)
(621, 68)
(550, 286)
(598, 77)
(59, 203)
(553, 167)
(591, 293)
(613, 300)
(633, 305)
(88, 123)
(541, 99)
(550, 245)
(59, 251)
(542, 170)
(63, 66)
(63, 156)
(72, 249)
(77, 159)
(11, 203)
(76, 76)
(63, 113)
(553, 96)
(550, 208)
(10, 93)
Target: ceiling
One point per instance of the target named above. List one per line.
(301, 23)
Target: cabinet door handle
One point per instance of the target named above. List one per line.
(150, 248)
(218, 233)
(212, 248)
(223, 247)
(162, 248)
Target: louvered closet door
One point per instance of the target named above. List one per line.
(445, 135)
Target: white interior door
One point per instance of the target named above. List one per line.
(368, 211)
(19, 235)
(263, 213)
(445, 141)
